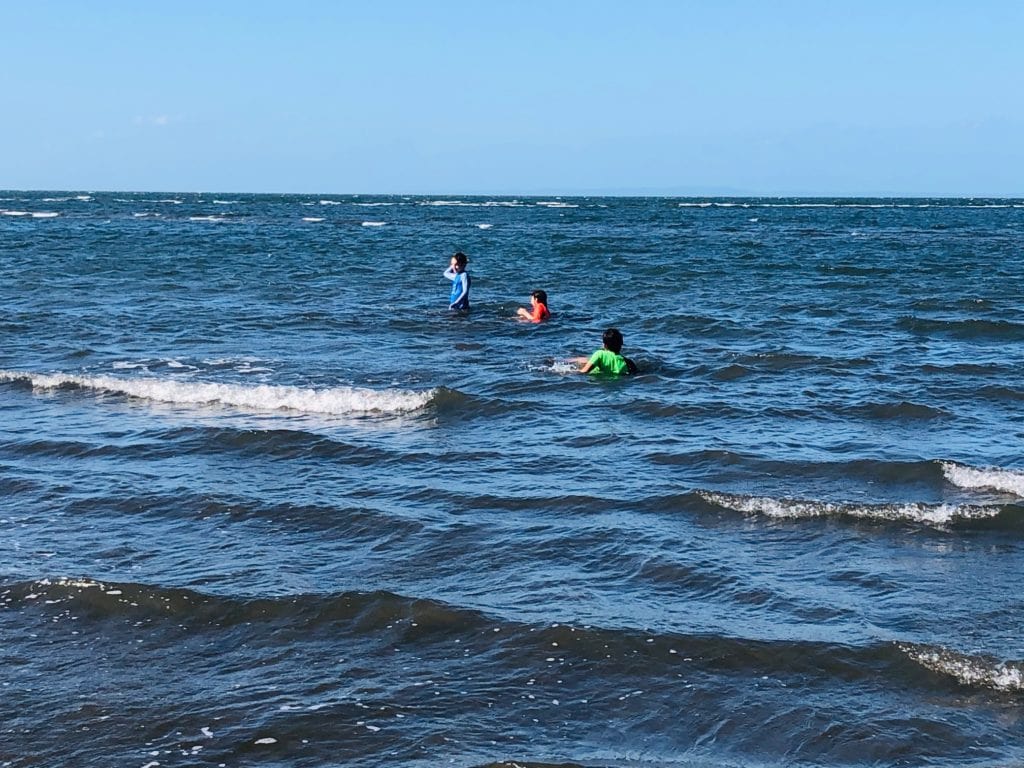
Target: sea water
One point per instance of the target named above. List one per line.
(265, 501)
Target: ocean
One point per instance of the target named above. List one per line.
(264, 501)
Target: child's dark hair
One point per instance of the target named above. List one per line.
(460, 258)
(612, 339)
(540, 296)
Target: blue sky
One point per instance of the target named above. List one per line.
(639, 97)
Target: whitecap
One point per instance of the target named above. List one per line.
(45, 215)
(994, 478)
(373, 205)
(261, 398)
(15, 213)
(207, 218)
(557, 366)
(374, 223)
(968, 670)
(484, 226)
(312, 219)
(786, 508)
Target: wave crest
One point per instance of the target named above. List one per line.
(915, 512)
(972, 671)
(1006, 480)
(266, 397)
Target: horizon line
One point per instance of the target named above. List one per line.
(624, 193)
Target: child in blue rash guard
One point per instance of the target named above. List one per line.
(609, 358)
(456, 272)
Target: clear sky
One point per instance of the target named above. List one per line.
(895, 97)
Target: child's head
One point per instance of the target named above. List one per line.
(612, 339)
(459, 260)
(540, 296)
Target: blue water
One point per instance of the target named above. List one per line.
(265, 501)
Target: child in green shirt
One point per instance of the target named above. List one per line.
(609, 359)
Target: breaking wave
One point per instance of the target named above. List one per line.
(967, 670)
(914, 512)
(333, 400)
(994, 478)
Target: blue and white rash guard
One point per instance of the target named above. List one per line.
(459, 298)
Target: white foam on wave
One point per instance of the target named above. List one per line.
(968, 670)
(555, 204)
(785, 508)
(331, 202)
(313, 219)
(145, 215)
(465, 204)
(373, 205)
(374, 223)
(564, 366)
(31, 214)
(333, 401)
(225, 202)
(994, 478)
(207, 218)
(484, 226)
(66, 582)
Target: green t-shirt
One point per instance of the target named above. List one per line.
(606, 361)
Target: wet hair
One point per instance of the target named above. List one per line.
(460, 258)
(612, 339)
(540, 296)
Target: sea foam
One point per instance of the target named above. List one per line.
(785, 508)
(968, 670)
(994, 478)
(334, 400)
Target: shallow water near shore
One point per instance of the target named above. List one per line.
(264, 501)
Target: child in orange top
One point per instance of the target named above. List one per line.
(538, 308)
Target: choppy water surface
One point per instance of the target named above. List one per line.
(263, 501)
